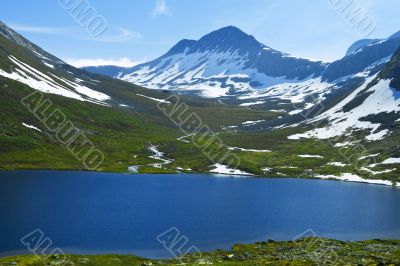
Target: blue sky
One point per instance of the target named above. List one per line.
(141, 30)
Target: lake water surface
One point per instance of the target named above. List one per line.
(85, 212)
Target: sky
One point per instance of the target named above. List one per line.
(136, 31)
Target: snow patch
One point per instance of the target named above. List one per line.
(343, 144)
(47, 64)
(368, 156)
(252, 103)
(251, 123)
(133, 169)
(310, 156)
(247, 150)
(339, 164)
(355, 178)
(223, 169)
(32, 127)
(184, 138)
(295, 112)
(158, 155)
(154, 99)
(391, 161)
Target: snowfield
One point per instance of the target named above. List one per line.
(382, 99)
(294, 91)
(40, 81)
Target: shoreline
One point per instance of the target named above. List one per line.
(304, 251)
(346, 177)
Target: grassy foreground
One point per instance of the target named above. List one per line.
(307, 251)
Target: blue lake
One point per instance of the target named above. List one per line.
(85, 212)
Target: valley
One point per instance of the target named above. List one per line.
(123, 120)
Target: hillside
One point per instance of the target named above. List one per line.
(125, 123)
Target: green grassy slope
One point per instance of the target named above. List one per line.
(123, 134)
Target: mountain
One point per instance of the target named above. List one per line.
(359, 44)
(364, 42)
(224, 62)
(232, 65)
(105, 70)
(362, 58)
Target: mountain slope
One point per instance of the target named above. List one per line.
(25, 62)
(373, 106)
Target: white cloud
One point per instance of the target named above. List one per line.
(118, 35)
(38, 29)
(122, 61)
(122, 35)
(161, 8)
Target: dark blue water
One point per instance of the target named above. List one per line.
(85, 212)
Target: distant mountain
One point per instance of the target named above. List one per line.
(359, 44)
(105, 70)
(396, 35)
(374, 52)
(224, 62)
(231, 64)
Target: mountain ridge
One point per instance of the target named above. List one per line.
(226, 58)
(229, 62)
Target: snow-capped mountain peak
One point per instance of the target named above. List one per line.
(228, 38)
(231, 64)
(225, 62)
